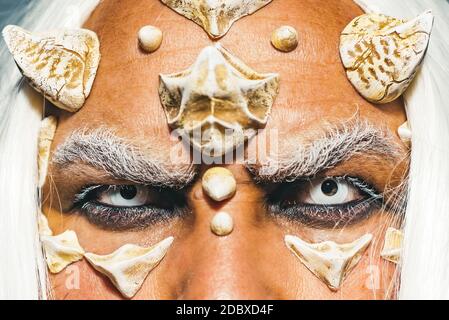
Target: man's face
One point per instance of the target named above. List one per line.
(340, 150)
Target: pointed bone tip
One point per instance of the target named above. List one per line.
(166, 243)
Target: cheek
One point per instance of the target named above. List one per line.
(79, 281)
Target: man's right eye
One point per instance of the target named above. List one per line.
(123, 207)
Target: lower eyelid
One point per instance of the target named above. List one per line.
(120, 218)
(327, 216)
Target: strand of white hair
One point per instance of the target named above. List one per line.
(23, 272)
(425, 262)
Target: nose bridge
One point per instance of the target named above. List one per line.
(226, 267)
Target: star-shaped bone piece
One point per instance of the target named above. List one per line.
(60, 64)
(215, 16)
(129, 265)
(329, 261)
(219, 102)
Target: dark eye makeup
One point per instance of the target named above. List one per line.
(285, 201)
(128, 207)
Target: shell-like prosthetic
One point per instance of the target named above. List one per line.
(215, 16)
(219, 183)
(382, 54)
(46, 135)
(43, 227)
(129, 265)
(393, 245)
(61, 250)
(329, 261)
(61, 64)
(218, 102)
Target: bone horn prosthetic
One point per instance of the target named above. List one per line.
(381, 54)
(61, 64)
(218, 102)
(329, 261)
(215, 16)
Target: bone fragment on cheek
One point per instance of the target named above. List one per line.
(219, 102)
(219, 183)
(129, 265)
(61, 250)
(215, 16)
(222, 224)
(329, 261)
(45, 139)
(382, 54)
(393, 245)
(60, 64)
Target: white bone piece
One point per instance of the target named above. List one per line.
(329, 261)
(215, 16)
(219, 183)
(61, 250)
(222, 224)
(43, 227)
(46, 135)
(218, 102)
(61, 64)
(285, 38)
(129, 265)
(405, 133)
(150, 38)
(382, 54)
(393, 245)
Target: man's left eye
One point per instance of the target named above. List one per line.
(125, 196)
(329, 191)
(324, 202)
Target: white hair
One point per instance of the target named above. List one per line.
(425, 262)
(425, 265)
(23, 272)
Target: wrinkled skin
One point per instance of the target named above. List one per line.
(253, 262)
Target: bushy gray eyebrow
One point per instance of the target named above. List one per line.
(104, 150)
(337, 143)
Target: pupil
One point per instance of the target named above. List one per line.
(128, 192)
(329, 187)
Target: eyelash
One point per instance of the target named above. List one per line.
(328, 216)
(123, 218)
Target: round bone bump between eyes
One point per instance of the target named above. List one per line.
(219, 183)
(150, 38)
(222, 224)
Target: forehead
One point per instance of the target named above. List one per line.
(313, 86)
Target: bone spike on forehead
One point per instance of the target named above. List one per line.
(329, 261)
(61, 64)
(382, 54)
(215, 16)
(129, 265)
(218, 102)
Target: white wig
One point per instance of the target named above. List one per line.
(425, 263)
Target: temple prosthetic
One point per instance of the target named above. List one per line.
(329, 261)
(393, 245)
(218, 102)
(129, 265)
(215, 16)
(61, 64)
(382, 54)
(46, 135)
